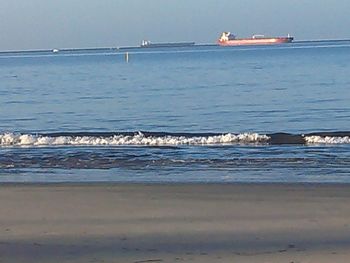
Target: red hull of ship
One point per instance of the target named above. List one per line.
(252, 41)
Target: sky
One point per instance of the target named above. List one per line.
(48, 24)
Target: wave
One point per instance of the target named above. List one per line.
(138, 138)
(143, 138)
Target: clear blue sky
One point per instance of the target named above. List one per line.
(37, 24)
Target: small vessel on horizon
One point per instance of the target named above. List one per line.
(149, 44)
(228, 39)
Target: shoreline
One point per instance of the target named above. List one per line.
(166, 183)
(174, 223)
(174, 185)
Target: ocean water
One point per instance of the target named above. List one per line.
(198, 114)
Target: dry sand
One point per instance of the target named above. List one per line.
(174, 223)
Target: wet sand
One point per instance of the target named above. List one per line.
(174, 223)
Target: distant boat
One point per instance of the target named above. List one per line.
(55, 50)
(228, 39)
(149, 44)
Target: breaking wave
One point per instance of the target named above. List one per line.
(139, 138)
(167, 139)
(327, 140)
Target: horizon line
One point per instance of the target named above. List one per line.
(126, 47)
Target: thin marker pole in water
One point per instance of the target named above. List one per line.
(127, 57)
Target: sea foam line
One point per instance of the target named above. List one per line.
(11, 139)
(149, 139)
(327, 140)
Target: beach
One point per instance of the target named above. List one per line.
(174, 223)
(189, 150)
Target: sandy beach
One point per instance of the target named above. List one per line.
(174, 223)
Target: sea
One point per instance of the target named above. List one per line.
(200, 114)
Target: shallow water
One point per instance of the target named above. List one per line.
(199, 114)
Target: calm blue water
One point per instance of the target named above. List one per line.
(199, 114)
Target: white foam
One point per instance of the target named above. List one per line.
(327, 140)
(11, 139)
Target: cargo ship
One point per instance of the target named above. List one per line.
(149, 44)
(228, 39)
